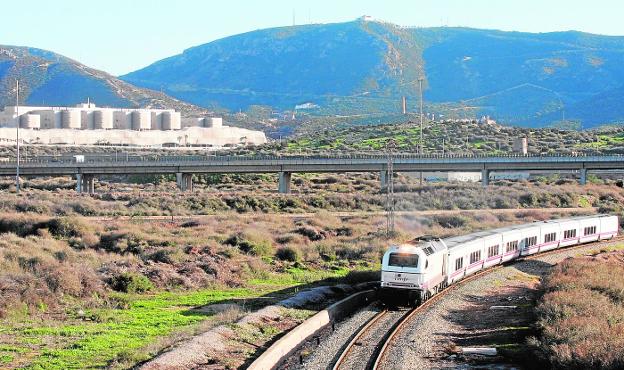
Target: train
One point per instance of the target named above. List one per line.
(415, 271)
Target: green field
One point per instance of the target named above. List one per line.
(117, 337)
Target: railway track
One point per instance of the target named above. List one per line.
(368, 348)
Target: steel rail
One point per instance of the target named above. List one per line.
(407, 318)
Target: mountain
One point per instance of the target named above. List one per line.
(363, 67)
(50, 79)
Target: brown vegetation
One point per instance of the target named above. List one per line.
(581, 315)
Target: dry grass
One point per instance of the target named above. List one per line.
(581, 314)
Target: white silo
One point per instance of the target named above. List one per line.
(213, 122)
(141, 120)
(171, 121)
(70, 119)
(31, 121)
(103, 119)
(122, 120)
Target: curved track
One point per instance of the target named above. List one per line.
(364, 347)
(369, 346)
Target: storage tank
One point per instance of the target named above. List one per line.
(141, 120)
(103, 119)
(171, 121)
(213, 122)
(122, 120)
(31, 121)
(70, 119)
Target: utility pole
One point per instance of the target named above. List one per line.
(17, 168)
(420, 81)
(390, 146)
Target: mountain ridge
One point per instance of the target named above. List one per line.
(367, 66)
(48, 78)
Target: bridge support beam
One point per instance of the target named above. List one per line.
(284, 182)
(184, 181)
(485, 177)
(78, 183)
(383, 179)
(88, 184)
(583, 179)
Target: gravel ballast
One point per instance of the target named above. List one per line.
(423, 344)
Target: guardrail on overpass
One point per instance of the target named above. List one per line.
(185, 166)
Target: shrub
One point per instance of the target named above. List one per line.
(451, 221)
(311, 233)
(580, 315)
(68, 227)
(288, 253)
(129, 282)
(247, 244)
(162, 255)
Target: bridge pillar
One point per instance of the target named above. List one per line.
(78, 183)
(383, 179)
(485, 177)
(284, 182)
(184, 181)
(187, 180)
(87, 184)
(583, 179)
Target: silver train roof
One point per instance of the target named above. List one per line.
(463, 239)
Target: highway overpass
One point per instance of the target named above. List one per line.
(185, 166)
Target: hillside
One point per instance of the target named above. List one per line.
(451, 138)
(50, 79)
(364, 67)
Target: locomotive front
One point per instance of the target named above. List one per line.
(402, 274)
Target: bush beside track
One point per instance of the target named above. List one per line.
(581, 315)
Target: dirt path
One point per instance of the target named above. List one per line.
(587, 210)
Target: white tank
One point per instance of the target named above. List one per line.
(171, 121)
(213, 122)
(70, 119)
(141, 120)
(103, 119)
(30, 121)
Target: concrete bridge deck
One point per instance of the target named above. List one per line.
(185, 166)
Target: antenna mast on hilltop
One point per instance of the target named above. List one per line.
(390, 146)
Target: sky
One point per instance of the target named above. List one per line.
(120, 36)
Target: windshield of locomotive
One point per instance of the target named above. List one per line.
(403, 260)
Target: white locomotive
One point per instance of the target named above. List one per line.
(414, 271)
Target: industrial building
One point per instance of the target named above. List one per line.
(87, 124)
(90, 117)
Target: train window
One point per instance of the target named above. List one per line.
(591, 230)
(459, 263)
(550, 237)
(475, 257)
(568, 234)
(493, 250)
(403, 260)
(512, 246)
(530, 241)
